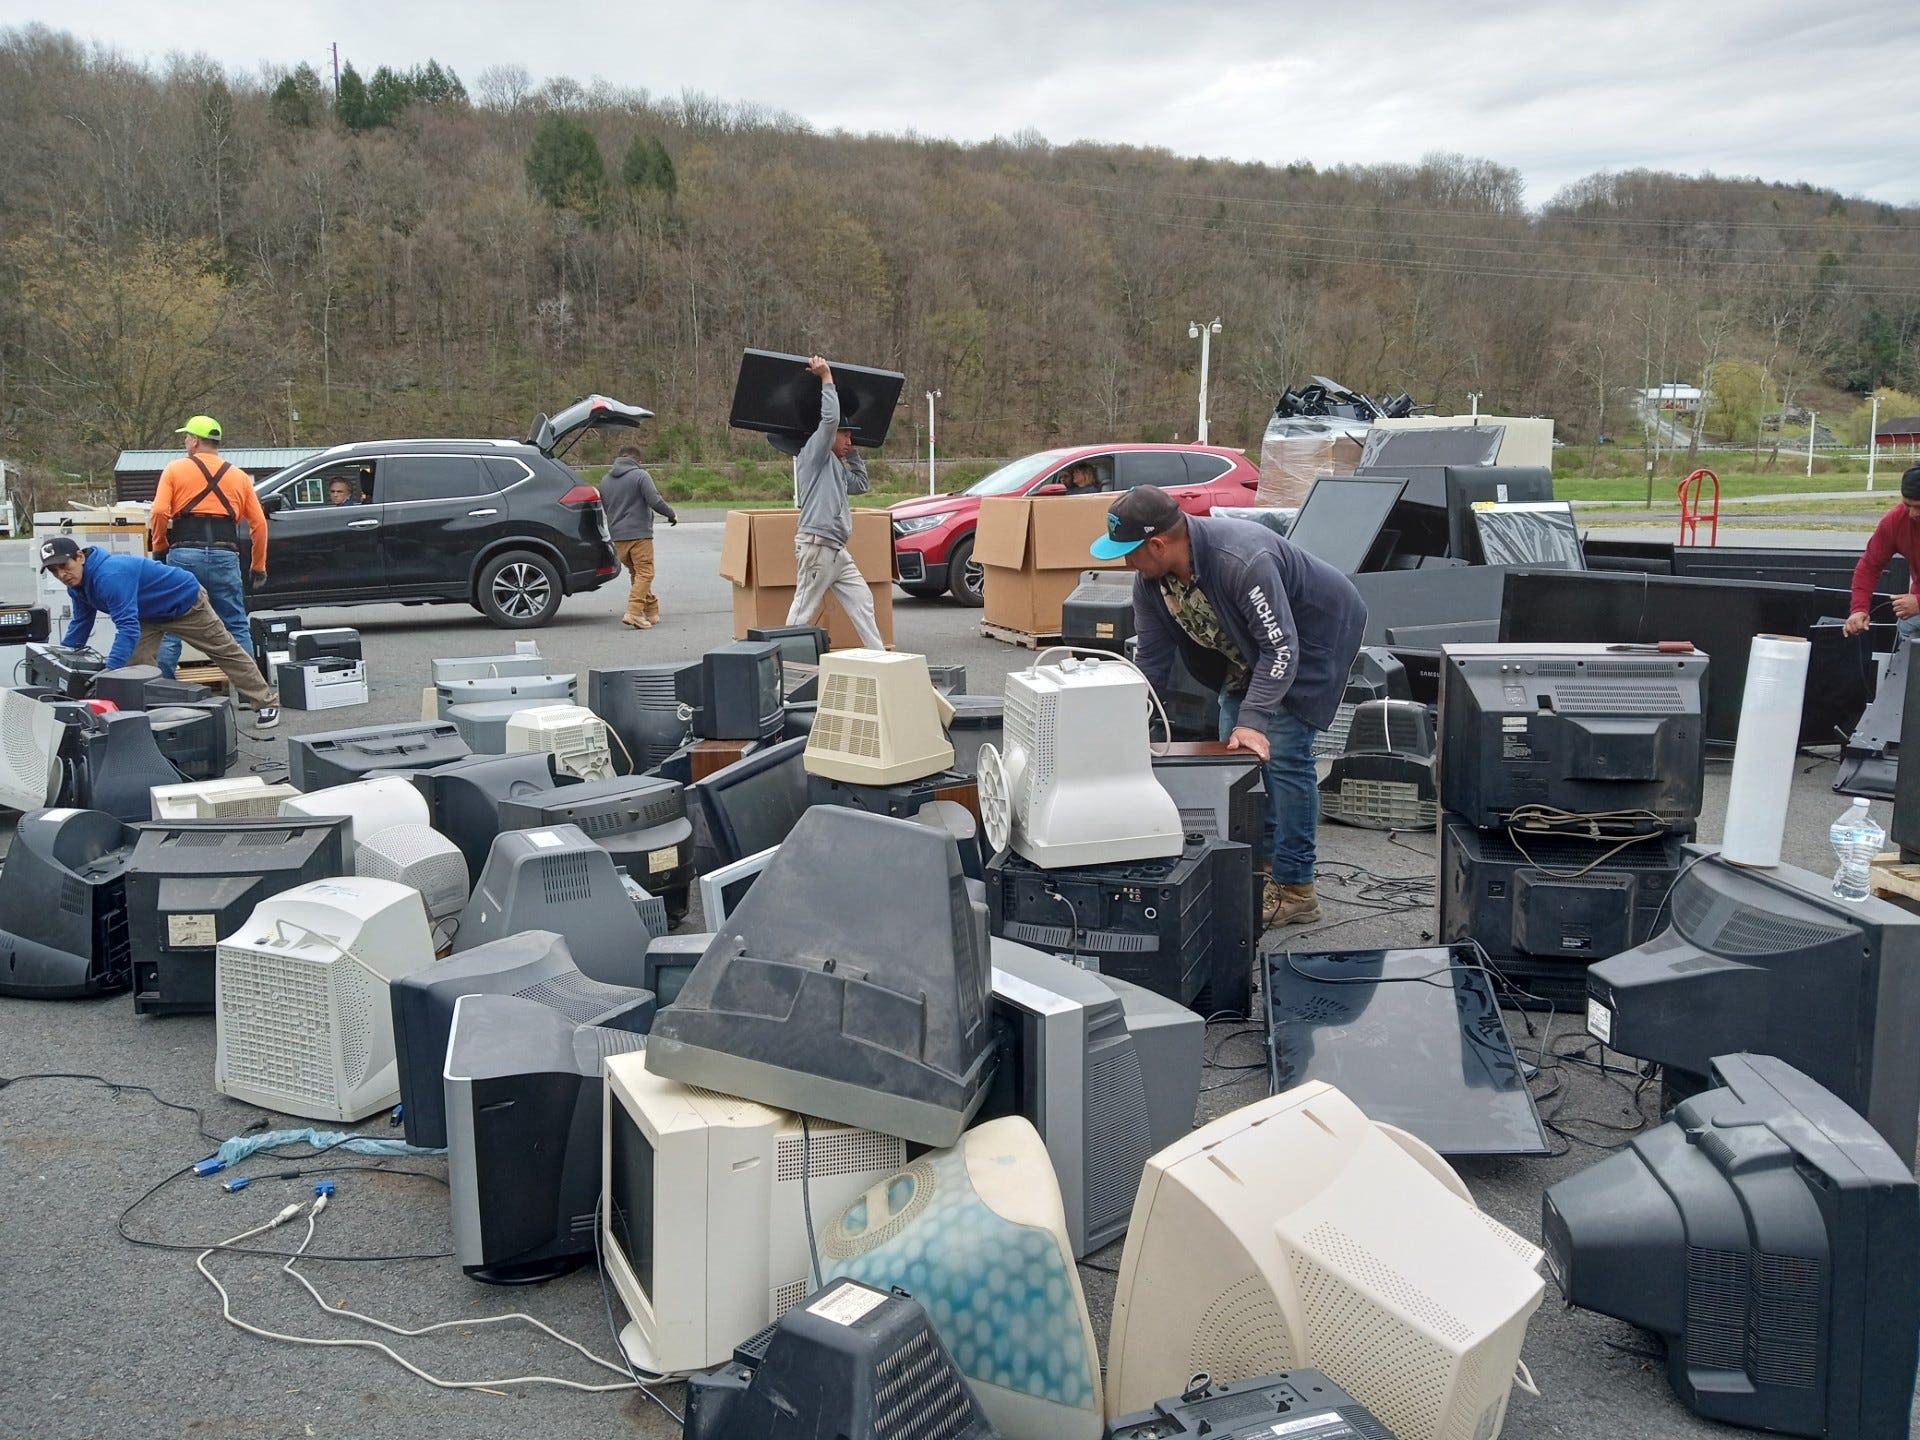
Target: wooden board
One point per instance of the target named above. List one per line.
(1892, 880)
(207, 674)
(1018, 637)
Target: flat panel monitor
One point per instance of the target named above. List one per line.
(525, 1094)
(76, 944)
(703, 1223)
(1574, 728)
(1107, 1072)
(1771, 1237)
(1342, 519)
(535, 966)
(192, 883)
(722, 890)
(776, 395)
(1413, 1037)
(752, 804)
(1769, 960)
(1541, 534)
(1468, 486)
(882, 1025)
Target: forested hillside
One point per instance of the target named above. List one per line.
(433, 254)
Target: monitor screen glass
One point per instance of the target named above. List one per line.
(1342, 517)
(762, 803)
(630, 1192)
(1541, 534)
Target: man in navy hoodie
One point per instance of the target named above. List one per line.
(1274, 628)
(149, 601)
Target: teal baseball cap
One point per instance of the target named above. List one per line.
(1143, 512)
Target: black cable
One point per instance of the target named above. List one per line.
(116, 1086)
(806, 1196)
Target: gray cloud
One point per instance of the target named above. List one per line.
(1556, 89)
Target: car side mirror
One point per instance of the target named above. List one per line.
(273, 504)
(1055, 489)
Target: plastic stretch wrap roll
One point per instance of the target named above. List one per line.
(1763, 750)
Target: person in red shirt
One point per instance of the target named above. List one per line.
(1898, 533)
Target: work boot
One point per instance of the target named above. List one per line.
(1288, 904)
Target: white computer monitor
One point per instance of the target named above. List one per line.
(573, 735)
(30, 758)
(722, 890)
(235, 797)
(703, 1222)
(372, 805)
(879, 720)
(1297, 1232)
(302, 1014)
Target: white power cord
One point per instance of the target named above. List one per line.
(1165, 724)
(313, 1214)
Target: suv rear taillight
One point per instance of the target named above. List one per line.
(580, 496)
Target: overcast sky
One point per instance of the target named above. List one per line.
(1554, 88)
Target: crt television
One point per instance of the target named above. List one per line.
(1772, 1238)
(703, 1218)
(737, 693)
(77, 945)
(1770, 961)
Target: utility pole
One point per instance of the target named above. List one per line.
(293, 415)
(336, 72)
(1873, 444)
(932, 395)
(1204, 334)
(1473, 399)
(1813, 423)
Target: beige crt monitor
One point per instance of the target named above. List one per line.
(1297, 1233)
(703, 1227)
(879, 720)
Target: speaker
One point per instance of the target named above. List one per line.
(776, 395)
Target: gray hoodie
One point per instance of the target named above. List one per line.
(630, 498)
(824, 481)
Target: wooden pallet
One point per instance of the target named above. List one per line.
(1018, 637)
(1894, 881)
(206, 673)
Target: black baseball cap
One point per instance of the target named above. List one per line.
(1144, 511)
(57, 549)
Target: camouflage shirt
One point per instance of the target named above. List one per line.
(1189, 606)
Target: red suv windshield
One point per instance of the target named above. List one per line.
(1016, 476)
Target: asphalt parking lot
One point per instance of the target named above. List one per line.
(101, 1337)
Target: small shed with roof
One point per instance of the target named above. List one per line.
(136, 474)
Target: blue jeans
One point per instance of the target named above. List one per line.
(218, 572)
(1908, 628)
(1293, 791)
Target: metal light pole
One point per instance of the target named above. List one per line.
(1473, 399)
(1873, 445)
(1813, 423)
(1204, 334)
(932, 395)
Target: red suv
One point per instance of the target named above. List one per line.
(933, 536)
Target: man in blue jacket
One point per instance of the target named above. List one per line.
(149, 601)
(1273, 627)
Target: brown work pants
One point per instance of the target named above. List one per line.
(204, 630)
(637, 556)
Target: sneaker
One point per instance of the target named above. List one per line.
(266, 717)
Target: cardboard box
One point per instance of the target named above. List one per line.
(756, 554)
(1290, 464)
(1033, 548)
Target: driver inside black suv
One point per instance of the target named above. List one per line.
(340, 491)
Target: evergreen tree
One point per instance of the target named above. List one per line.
(564, 165)
(298, 100)
(350, 105)
(649, 167)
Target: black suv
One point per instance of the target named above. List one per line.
(501, 525)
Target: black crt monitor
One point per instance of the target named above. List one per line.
(1413, 1037)
(534, 965)
(126, 685)
(641, 704)
(556, 879)
(122, 763)
(1342, 520)
(1772, 1238)
(799, 644)
(752, 804)
(776, 395)
(670, 960)
(464, 797)
(1771, 961)
(524, 1104)
(80, 945)
(640, 820)
(192, 882)
(1578, 728)
(738, 693)
(191, 740)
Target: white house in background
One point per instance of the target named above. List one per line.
(1674, 396)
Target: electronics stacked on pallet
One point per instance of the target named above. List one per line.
(1093, 859)
(1570, 781)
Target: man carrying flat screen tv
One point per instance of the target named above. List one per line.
(1273, 627)
(826, 472)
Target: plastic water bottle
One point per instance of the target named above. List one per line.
(1857, 839)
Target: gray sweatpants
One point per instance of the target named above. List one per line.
(822, 568)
